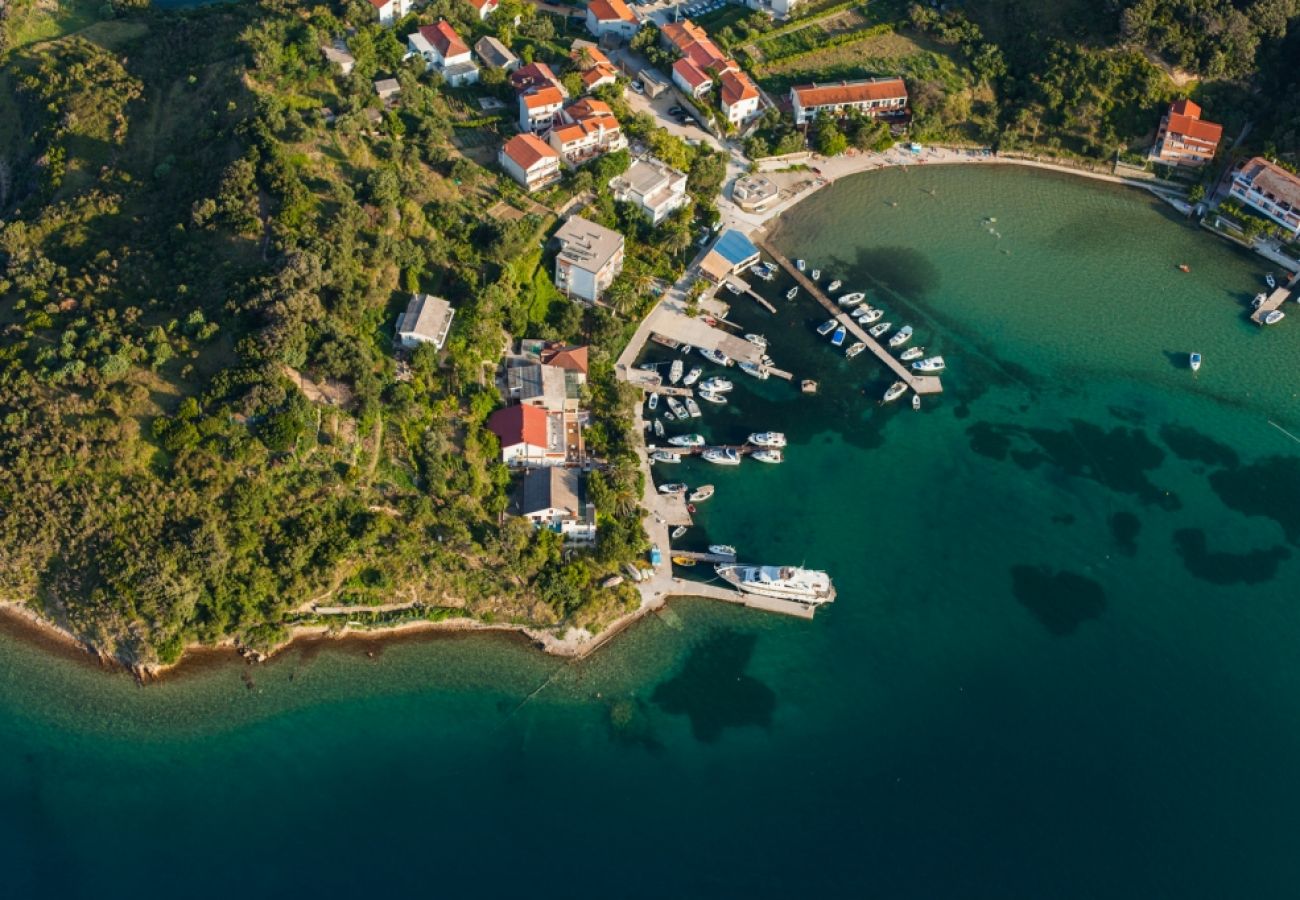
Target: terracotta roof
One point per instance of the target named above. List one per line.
(1185, 107)
(444, 39)
(1273, 179)
(736, 87)
(586, 50)
(520, 424)
(1194, 128)
(572, 359)
(586, 108)
(534, 74)
(380, 4)
(526, 150)
(599, 74)
(611, 11)
(850, 92)
(480, 4)
(691, 73)
(547, 96)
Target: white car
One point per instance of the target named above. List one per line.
(638, 87)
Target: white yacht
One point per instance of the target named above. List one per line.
(716, 384)
(869, 315)
(687, 440)
(1194, 361)
(896, 390)
(901, 337)
(792, 293)
(675, 488)
(916, 401)
(834, 286)
(1270, 281)
(722, 456)
(767, 455)
(678, 532)
(878, 330)
(757, 340)
(676, 406)
(911, 353)
(665, 456)
(701, 493)
(1274, 317)
(757, 371)
(692, 408)
(723, 550)
(686, 349)
(659, 428)
(931, 366)
(715, 356)
(1259, 300)
(675, 372)
(692, 376)
(852, 299)
(767, 439)
(855, 349)
(734, 288)
(653, 403)
(711, 397)
(827, 327)
(784, 582)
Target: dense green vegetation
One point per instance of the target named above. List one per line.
(203, 429)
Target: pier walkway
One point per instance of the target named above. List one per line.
(730, 595)
(751, 293)
(922, 384)
(1275, 300)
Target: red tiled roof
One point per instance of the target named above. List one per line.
(520, 424)
(1194, 128)
(444, 39)
(586, 108)
(598, 74)
(736, 87)
(526, 150)
(379, 4)
(547, 96)
(572, 359)
(1185, 107)
(611, 11)
(690, 73)
(480, 4)
(533, 75)
(844, 92)
(591, 54)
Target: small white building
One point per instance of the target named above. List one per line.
(590, 258)
(538, 108)
(389, 11)
(444, 52)
(553, 499)
(654, 187)
(529, 436)
(611, 17)
(426, 321)
(530, 161)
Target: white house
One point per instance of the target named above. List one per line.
(586, 129)
(389, 11)
(876, 97)
(530, 161)
(656, 188)
(612, 17)
(443, 51)
(590, 258)
(691, 79)
(1269, 189)
(426, 321)
(529, 435)
(553, 498)
(739, 97)
(538, 108)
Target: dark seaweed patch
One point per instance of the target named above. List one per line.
(1061, 601)
(1193, 446)
(1269, 488)
(714, 692)
(989, 440)
(1124, 528)
(1254, 567)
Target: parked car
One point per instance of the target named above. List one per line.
(638, 87)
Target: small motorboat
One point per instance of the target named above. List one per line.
(912, 353)
(827, 327)
(816, 274)
(653, 403)
(716, 384)
(1194, 361)
(686, 349)
(649, 367)
(678, 532)
(901, 337)
(1274, 317)
(858, 347)
(715, 356)
(692, 376)
(674, 488)
(931, 366)
(755, 370)
(895, 390)
(665, 456)
(1259, 300)
(722, 550)
(701, 493)
(767, 455)
(692, 408)
(767, 439)
(734, 288)
(711, 397)
(852, 299)
(687, 440)
(670, 416)
(676, 406)
(792, 293)
(916, 401)
(722, 456)
(683, 561)
(675, 372)
(868, 315)
(878, 330)
(757, 340)
(659, 428)
(800, 264)
(1270, 281)
(838, 335)
(808, 386)
(1184, 267)
(834, 286)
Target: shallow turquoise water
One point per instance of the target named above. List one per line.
(1061, 662)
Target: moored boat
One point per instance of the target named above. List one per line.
(757, 340)
(692, 376)
(687, 440)
(755, 370)
(901, 337)
(1259, 300)
(816, 274)
(678, 532)
(792, 293)
(659, 428)
(676, 406)
(858, 347)
(916, 401)
(930, 366)
(666, 456)
(722, 456)
(653, 403)
(783, 582)
(852, 299)
(686, 349)
(673, 488)
(715, 356)
(911, 353)
(722, 550)
(1270, 281)
(878, 330)
(692, 408)
(868, 315)
(838, 335)
(894, 391)
(716, 384)
(767, 439)
(767, 455)
(834, 286)
(1194, 360)
(827, 327)
(1274, 317)
(701, 493)
(675, 372)
(711, 397)
(800, 264)
(683, 561)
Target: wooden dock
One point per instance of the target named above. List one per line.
(751, 293)
(922, 384)
(1275, 300)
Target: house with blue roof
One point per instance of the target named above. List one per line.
(731, 253)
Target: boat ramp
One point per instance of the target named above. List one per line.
(1275, 300)
(922, 384)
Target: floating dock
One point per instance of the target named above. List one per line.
(922, 384)
(1275, 300)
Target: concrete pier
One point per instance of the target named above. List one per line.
(922, 384)
(753, 601)
(1275, 300)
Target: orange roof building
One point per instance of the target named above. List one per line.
(876, 97)
(611, 17)
(739, 96)
(1184, 138)
(527, 435)
(530, 161)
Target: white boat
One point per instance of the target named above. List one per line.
(716, 385)
(869, 315)
(834, 286)
(767, 275)
(901, 337)
(858, 347)
(675, 372)
(816, 274)
(674, 488)
(930, 366)
(670, 416)
(649, 367)
(827, 327)
(767, 439)
(676, 406)
(878, 330)
(784, 582)
(1194, 360)
(692, 376)
(767, 456)
(659, 428)
(678, 532)
(722, 456)
(1270, 281)
(653, 404)
(916, 401)
(692, 408)
(895, 390)
(757, 340)
(792, 293)
(734, 288)
(666, 456)
(837, 336)
(686, 349)
(711, 397)
(911, 353)
(687, 440)
(1259, 300)
(1274, 317)
(701, 493)
(723, 550)
(757, 371)
(852, 299)
(800, 264)
(715, 356)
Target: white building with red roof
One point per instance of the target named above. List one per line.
(876, 97)
(1269, 189)
(444, 52)
(530, 161)
(529, 435)
(593, 64)
(539, 107)
(739, 96)
(691, 79)
(389, 11)
(1184, 138)
(606, 17)
(586, 129)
